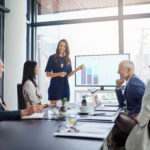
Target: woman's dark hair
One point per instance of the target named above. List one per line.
(28, 72)
(67, 51)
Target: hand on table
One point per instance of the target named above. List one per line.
(35, 108)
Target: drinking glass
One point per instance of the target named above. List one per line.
(71, 121)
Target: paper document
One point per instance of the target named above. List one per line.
(34, 116)
(111, 105)
(87, 130)
(107, 108)
(97, 118)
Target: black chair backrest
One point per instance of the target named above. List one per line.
(21, 101)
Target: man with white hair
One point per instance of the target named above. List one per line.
(131, 97)
(16, 115)
(134, 90)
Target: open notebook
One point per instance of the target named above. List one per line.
(86, 130)
(34, 116)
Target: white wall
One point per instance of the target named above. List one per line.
(14, 49)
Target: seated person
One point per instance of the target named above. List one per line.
(29, 86)
(15, 115)
(131, 97)
(134, 90)
(139, 138)
(18, 114)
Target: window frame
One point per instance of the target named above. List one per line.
(120, 18)
(3, 10)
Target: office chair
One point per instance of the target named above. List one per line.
(21, 101)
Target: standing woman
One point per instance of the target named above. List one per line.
(59, 69)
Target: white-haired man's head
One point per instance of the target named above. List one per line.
(126, 69)
(1, 68)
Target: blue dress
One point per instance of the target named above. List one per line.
(59, 86)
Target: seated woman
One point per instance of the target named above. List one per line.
(29, 87)
(18, 114)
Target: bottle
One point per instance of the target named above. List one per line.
(62, 110)
(83, 103)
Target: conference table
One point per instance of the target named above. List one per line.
(38, 135)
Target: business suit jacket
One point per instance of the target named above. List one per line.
(31, 93)
(139, 138)
(132, 95)
(9, 115)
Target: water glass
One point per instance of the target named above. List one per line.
(71, 121)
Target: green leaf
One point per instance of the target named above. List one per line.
(64, 100)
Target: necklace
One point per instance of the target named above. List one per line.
(62, 60)
(62, 65)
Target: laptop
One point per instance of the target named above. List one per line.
(95, 101)
(100, 107)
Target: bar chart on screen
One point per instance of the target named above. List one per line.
(99, 70)
(89, 75)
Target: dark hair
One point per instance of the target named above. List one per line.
(28, 72)
(67, 51)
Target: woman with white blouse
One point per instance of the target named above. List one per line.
(30, 89)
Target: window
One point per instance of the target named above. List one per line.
(92, 27)
(49, 10)
(136, 39)
(136, 7)
(83, 39)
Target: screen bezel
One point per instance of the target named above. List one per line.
(102, 86)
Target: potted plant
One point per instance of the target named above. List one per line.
(62, 110)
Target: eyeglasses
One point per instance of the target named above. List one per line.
(63, 128)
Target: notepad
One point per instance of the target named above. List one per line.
(99, 118)
(34, 116)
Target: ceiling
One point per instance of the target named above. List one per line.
(52, 6)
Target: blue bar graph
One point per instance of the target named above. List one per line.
(89, 76)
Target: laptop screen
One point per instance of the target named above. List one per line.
(95, 101)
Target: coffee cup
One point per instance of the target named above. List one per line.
(84, 109)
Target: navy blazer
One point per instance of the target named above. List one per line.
(132, 95)
(9, 115)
